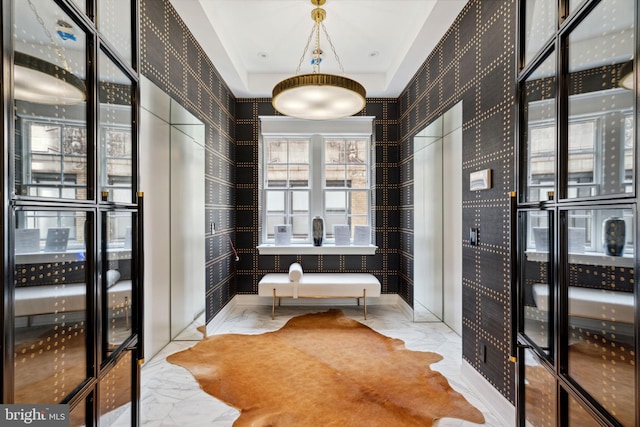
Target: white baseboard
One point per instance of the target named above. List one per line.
(496, 402)
(222, 315)
(384, 299)
(405, 308)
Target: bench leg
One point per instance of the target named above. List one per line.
(273, 305)
(358, 299)
(364, 299)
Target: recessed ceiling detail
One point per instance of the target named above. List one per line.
(403, 32)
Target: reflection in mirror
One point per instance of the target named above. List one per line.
(437, 234)
(116, 393)
(50, 108)
(82, 5)
(539, 174)
(116, 144)
(578, 416)
(78, 415)
(49, 67)
(50, 304)
(601, 118)
(172, 139)
(573, 5)
(601, 308)
(535, 281)
(540, 25)
(427, 213)
(117, 270)
(114, 22)
(187, 192)
(539, 392)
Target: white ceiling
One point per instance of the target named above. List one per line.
(256, 43)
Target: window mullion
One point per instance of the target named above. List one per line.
(317, 186)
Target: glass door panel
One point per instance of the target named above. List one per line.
(51, 147)
(116, 393)
(118, 279)
(82, 5)
(540, 392)
(78, 416)
(116, 139)
(540, 25)
(573, 5)
(115, 23)
(578, 416)
(601, 119)
(601, 304)
(539, 140)
(50, 304)
(536, 279)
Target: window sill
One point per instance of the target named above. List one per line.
(269, 249)
(587, 258)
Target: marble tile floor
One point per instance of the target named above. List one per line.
(171, 397)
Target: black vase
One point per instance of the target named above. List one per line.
(317, 227)
(613, 236)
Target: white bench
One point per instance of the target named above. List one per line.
(40, 300)
(319, 285)
(598, 304)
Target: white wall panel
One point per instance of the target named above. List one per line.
(452, 228)
(437, 275)
(154, 182)
(187, 231)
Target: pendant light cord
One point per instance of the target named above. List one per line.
(317, 52)
(306, 48)
(333, 49)
(56, 46)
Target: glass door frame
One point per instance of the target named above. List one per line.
(557, 45)
(85, 397)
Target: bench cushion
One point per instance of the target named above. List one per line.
(46, 299)
(591, 303)
(320, 285)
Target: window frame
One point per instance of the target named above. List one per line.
(30, 179)
(317, 133)
(594, 232)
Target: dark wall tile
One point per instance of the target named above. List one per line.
(332, 263)
(244, 110)
(387, 176)
(375, 109)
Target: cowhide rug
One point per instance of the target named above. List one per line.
(324, 369)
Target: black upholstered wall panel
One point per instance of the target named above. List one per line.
(475, 63)
(174, 61)
(385, 264)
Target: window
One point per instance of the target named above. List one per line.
(325, 171)
(583, 164)
(586, 169)
(44, 220)
(55, 159)
(346, 183)
(287, 186)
